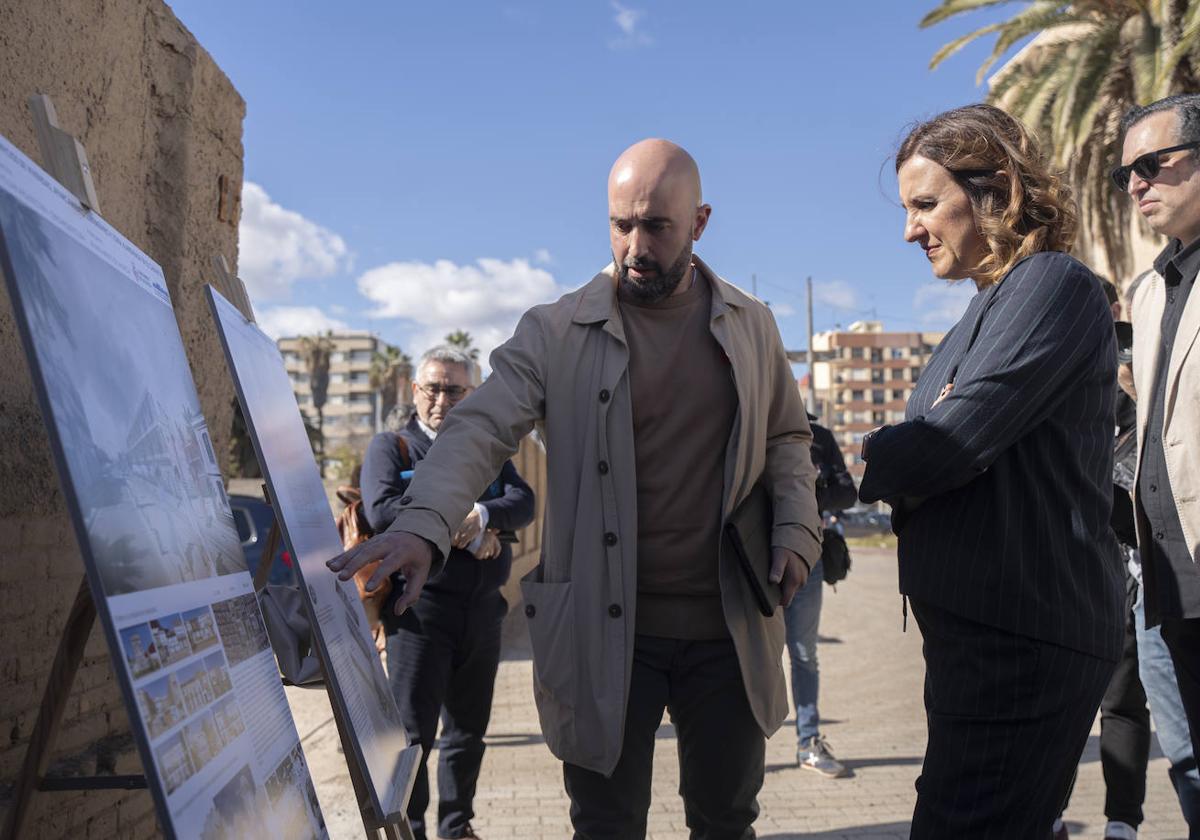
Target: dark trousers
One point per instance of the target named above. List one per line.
(1125, 732)
(444, 660)
(1183, 641)
(721, 747)
(1008, 718)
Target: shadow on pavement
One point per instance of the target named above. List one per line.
(897, 830)
(514, 739)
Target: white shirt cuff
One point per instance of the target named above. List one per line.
(483, 518)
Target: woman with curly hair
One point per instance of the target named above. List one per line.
(1000, 480)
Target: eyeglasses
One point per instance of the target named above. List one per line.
(454, 393)
(1147, 166)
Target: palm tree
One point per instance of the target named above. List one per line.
(316, 350)
(388, 367)
(463, 341)
(1092, 61)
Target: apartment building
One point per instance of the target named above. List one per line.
(351, 406)
(862, 379)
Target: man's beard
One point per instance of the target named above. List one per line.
(658, 287)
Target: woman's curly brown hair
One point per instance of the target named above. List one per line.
(1021, 206)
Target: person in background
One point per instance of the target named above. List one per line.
(835, 491)
(443, 654)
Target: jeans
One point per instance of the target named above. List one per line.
(803, 616)
(1166, 708)
(721, 747)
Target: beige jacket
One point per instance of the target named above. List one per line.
(1181, 423)
(564, 369)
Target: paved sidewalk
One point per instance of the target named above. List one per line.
(871, 698)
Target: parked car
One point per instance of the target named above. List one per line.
(862, 522)
(253, 518)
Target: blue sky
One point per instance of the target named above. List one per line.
(412, 168)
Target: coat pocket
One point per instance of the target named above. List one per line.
(550, 615)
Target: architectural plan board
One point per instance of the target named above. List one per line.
(355, 674)
(162, 555)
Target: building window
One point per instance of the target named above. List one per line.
(897, 394)
(877, 377)
(916, 373)
(337, 378)
(876, 354)
(856, 396)
(897, 353)
(877, 397)
(856, 352)
(877, 418)
(898, 373)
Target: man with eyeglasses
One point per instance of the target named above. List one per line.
(1161, 172)
(443, 654)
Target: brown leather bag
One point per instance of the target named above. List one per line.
(354, 529)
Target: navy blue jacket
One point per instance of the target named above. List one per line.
(1002, 492)
(509, 502)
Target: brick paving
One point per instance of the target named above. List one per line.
(870, 697)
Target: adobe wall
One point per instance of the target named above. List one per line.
(162, 126)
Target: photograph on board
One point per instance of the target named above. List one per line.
(135, 442)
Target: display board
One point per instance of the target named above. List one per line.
(144, 490)
(357, 682)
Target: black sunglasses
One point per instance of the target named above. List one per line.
(1147, 166)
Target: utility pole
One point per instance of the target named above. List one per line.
(811, 399)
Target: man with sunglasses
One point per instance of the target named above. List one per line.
(444, 653)
(1161, 172)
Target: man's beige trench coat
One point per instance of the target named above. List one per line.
(565, 370)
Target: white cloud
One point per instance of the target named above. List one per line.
(939, 305)
(783, 310)
(286, 321)
(837, 294)
(486, 298)
(628, 21)
(543, 256)
(279, 246)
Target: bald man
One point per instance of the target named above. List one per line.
(664, 397)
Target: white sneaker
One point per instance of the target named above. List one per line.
(816, 756)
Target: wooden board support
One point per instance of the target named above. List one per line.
(63, 156)
(232, 287)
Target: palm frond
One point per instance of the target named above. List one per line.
(950, 8)
(957, 44)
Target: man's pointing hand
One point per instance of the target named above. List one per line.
(396, 551)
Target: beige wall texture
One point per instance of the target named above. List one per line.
(162, 126)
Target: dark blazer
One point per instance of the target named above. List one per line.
(1002, 492)
(509, 502)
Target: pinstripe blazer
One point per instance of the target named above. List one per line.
(1003, 491)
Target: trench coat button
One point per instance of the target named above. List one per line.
(603, 467)
(1158, 535)
(615, 610)
(604, 395)
(530, 609)
(1153, 488)
(610, 538)
(405, 500)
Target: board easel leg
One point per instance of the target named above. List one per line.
(54, 702)
(372, 823)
